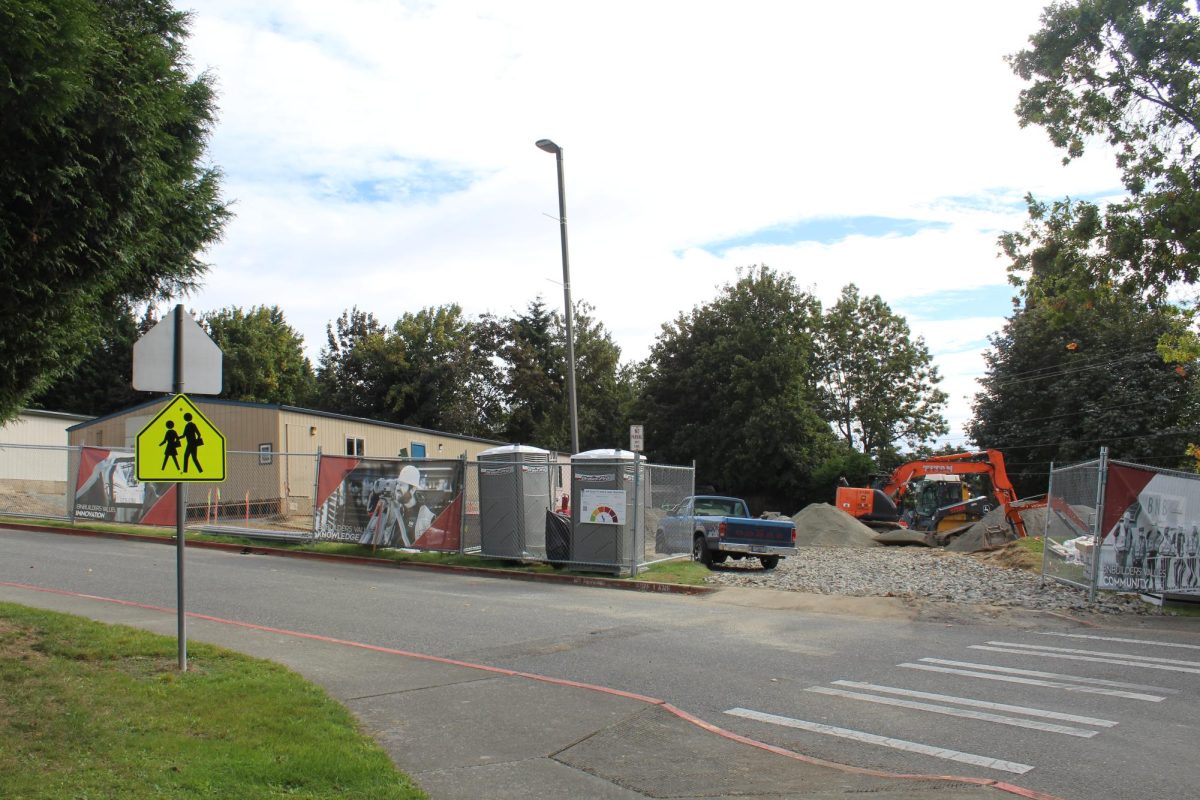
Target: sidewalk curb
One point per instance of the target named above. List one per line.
(508, 574)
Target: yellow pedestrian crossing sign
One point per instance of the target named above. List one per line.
(180, 445)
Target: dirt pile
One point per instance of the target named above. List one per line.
(1013, 555)
(993, 531)
(822, 525)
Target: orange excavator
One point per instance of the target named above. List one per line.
(939, 494)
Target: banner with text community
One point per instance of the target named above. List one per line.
(107, 489)
(1151, 532)
(416, 503)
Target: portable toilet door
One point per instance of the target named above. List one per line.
(514, 495)
(603, 503)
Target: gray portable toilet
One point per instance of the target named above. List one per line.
(514, 495)
(603, 505)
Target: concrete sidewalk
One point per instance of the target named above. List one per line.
(469, 732)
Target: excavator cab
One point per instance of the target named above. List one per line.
(942, 503)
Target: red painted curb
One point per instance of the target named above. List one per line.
(255, 549)
(683, 715)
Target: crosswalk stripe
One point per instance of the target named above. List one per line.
(1070, 687)
(1052, 675)
(1119, 662)
(1148, 659)
(884, 741)
(957, 712)
(1118, 639)
(968, 701)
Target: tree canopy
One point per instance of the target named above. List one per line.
(104, 197)
(1078, 366)
(729, 385)
(878, 383)
(263, 357)
(427, 370)
(1127, 72)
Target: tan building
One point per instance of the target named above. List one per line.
(35, 433)
(272, 448)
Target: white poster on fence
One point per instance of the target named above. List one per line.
(602, 506)
(1151, 530)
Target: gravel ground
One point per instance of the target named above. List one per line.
(920, 573)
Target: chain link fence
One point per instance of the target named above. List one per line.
(606, 518)
(1123, 527)
(1072, 508)
(265, 495)
(35, 480)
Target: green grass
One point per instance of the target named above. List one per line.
(681, 571)
(95, 711)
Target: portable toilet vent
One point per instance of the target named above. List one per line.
(603, 505)
(514, 495)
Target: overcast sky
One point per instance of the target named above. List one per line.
(381, 154)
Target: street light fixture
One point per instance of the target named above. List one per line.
(551, 147)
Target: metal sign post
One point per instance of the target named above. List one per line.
(162, 364)
(636, 444)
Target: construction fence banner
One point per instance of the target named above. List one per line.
(401, 502)
(107, 488)
(1150, 527)
(1123, 527)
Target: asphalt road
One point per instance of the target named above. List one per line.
(1117, 719)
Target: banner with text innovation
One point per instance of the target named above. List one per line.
(107, 489)
(413, 503)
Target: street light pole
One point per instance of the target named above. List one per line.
(551, 147)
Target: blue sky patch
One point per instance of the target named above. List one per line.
(420, 183)
(952, 304)
(826, 230)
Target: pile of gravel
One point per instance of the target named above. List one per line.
(920, 574)
(823, 525)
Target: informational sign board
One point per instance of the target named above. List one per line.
(602, 506)
(180, 445)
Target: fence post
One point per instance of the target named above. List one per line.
(462, 516)
(1046, 524)
(1101, 483)
(316, 485)
(633, 554)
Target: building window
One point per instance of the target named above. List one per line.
(418, 450)
(355, 447)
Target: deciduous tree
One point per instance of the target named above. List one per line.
(878, 383)
(729, 385)
(1128, 72)
(263, 357)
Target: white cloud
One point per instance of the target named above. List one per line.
(683, 123)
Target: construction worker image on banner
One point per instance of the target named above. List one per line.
(173, 446)
(396, 517)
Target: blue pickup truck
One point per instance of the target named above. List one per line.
(715, 528)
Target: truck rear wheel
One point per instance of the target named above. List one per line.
(700, 551)
(769, 562)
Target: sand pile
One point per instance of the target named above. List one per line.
(822, 525)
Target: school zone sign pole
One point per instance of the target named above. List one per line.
(176, 356)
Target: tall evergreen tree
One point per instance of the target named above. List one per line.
(105, 200)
